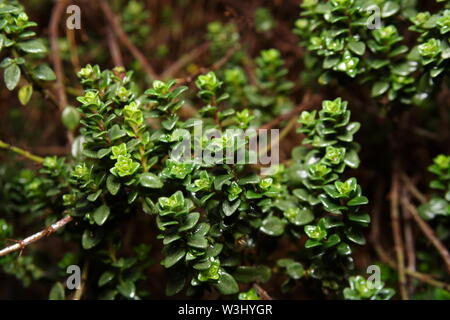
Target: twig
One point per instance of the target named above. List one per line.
(123, 37)
(412, 189)
(22, 152)
(308, 100)
(114, 49)
(184, 60)
(262, 293)
(374, 237)
(219, 64)
(409, 240)
(429, 233)
(397, 233)
(417, 275)
(37, 236)
(57, 12)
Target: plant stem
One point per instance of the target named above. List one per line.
(429, 233)
(20, 245)
(22, 152)
(397, 233)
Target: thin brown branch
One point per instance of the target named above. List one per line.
(57, 12)
(262, 293)
(20, 245)
(125, 40)
(184, 60)
(417, 275)
(375, 240)
(397, 232)
(412, 189)
(409, 241)
(216, 66)
(114, 48)
(308, 100)
(428, 232)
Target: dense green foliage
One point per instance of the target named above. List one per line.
(23, 51)
(343, 38)
(163, 182)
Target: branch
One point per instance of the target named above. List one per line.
(114, 48)
(184, 60)
(397, 233)
(22, 152)
(374, 237)
(429, 233)
(20, 245)
(123, 37)
(412, 189)
(219, 64)
(57, 12)
(262, 293)
(308, 100)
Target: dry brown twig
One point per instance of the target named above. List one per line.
(397, 231)
(57, 12)
(114, 48)
(184, 60)
(375, 240)
(20, 245)
(125, 40)
(428, 232)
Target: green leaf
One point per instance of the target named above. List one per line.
(359, 217)
(112, 184)
(25, 94)
(273, 226)
(44, 72)
(248, 274)
(6, 8)
(175, 283)
(173, 255)
(352, 159)
(357, 47)
(70, 118)
(190, 221)
(150, 180)
(106, 277)
(127, 289)
(90, 239)
(295, 270)
(358, 201)
(57, 292)
(226, 283)
(197, 241)
(389, 9)
(355, 236)
(116, 132)
(101, 214)
(344, 249)
(220, 181)
(379, 88)
(12, 76)
(32, 46)
(229, 209)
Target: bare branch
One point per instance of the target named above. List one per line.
(123, 37)
(184, 60)
(429, 233)
(397, 232)
(20, 245)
